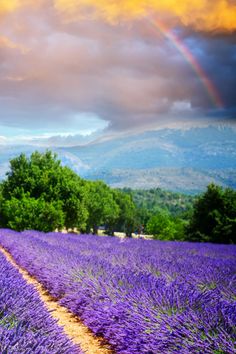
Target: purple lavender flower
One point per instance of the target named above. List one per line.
(142, 296)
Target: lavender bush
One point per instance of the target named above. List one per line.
(142, 296)
(25, 324)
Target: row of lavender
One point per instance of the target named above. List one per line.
(25, 324)
(142, 296)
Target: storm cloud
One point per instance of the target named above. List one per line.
(87, 64)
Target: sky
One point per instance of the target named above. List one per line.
(84, 67)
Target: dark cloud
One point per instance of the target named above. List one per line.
(127, 74)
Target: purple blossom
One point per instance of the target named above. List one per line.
(26, 326)
(141, 296)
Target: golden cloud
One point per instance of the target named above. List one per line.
(5, 42)
(204, 15)
(8, 6)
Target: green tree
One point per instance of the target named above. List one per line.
(41, 179)
(71, 191)
(153, 200)
(160, 226)
(33, 214)
(100, 204)
(143, 216)
(126, 219)
(214, 216)
(163, 227)
(38, 175)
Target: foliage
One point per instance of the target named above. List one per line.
(150, 203)
(127, 218)
(39, 193)
(38, 175)
(152, 200)
(71, 191)
(214, 216)
(164, 227)
(100, 204)
(29, 214)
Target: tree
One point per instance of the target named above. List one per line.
(214, 216)
(161, 226)
(41, 182)
(101, 206)
(73, 195)
(126, 219)
(143, 215)
(38, 175)
(33, 214)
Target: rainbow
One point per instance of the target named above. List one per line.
(212, 91)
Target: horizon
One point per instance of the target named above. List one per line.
(84, 138)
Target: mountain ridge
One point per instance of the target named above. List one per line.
(183, 160)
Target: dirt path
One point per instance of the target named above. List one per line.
(72, 326)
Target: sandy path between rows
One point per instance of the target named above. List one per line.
(72, 326)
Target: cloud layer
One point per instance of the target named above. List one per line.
(73, 65)
(204, 15)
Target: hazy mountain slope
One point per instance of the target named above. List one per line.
(179, 160)
(200, 148)
(183, 180)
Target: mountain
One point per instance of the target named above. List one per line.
(200, 148)
(179, 160)
(173, 159)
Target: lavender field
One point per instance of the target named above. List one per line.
(25, 324)
(141, 296)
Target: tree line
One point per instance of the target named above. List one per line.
(39, 193)
(155, 199)
(208, 217)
